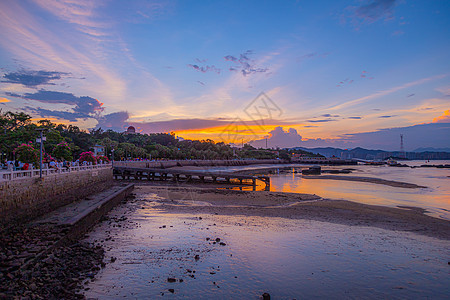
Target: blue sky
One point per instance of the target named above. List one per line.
(337, 71)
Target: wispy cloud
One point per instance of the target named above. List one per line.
(312, 55)
(385, 92)
(244, 64)
(205, 69)
(368, 12)
(375, 10)
(28, 39)
(321, 121)
(80, 12)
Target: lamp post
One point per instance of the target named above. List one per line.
(112, 157)
(41, 140)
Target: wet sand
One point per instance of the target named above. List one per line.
(296, 206)
(205, 243)
(366, 179)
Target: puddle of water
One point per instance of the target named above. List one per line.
(285, 258)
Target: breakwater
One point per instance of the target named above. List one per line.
(163, 164)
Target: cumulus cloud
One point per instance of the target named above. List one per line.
(84, 106)
(279, 138)
(244, 64)
(445, 118)
(32, 78)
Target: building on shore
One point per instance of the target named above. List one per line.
(130, 130)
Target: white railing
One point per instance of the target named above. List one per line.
(22, 174)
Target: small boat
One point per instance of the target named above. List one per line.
(391, 162)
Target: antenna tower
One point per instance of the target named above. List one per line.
(402, 149)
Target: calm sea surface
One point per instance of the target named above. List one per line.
(435, 198)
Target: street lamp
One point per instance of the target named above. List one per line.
(41, 140)
(112, 157)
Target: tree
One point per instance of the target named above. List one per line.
(62, 151)
(88, 156)
(26, 153)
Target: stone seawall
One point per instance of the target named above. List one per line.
(197, 163)
(27, 198)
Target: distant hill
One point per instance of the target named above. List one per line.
(362, 153)
(430, 149)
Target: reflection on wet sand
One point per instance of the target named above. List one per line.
(164, 249)
(435, 198)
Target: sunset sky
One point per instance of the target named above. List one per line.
(302, 73)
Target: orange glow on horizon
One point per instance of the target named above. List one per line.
(60, 121)
(232, 133)
(445, 116)
(4, 100)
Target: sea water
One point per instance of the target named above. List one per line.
(435, 198)
(289, 259)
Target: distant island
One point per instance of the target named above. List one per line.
(361, 153)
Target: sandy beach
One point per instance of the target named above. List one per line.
(366, 179)
(295, 206)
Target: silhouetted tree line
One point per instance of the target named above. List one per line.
(18, 128)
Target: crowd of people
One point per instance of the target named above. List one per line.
(16, 165)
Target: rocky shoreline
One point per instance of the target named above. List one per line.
(44, 258)
(57, 274)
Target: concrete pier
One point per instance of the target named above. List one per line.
(187, 175)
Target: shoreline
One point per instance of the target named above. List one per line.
(294, 206)
(268, 170)
(374, 180)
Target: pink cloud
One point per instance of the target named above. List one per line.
(445, 118)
